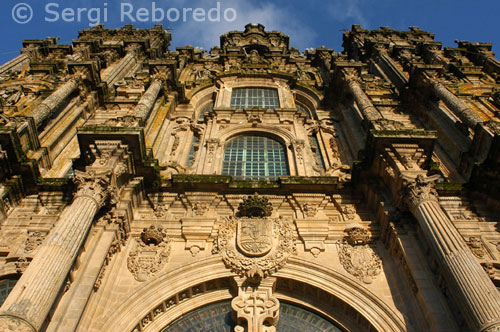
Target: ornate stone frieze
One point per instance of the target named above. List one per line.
(150, 254)
(357, 257)
(255, 246)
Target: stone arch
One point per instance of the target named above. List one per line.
(147, 305)
(201, 99)
(308, 100)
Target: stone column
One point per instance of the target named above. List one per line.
(118, 71)
(145, 105)
(396, 74)
(18, 62)
(29, 303)
(475, 295)
(44, 110)
(457, 105)
(369, 111)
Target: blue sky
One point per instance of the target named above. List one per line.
(310, 23)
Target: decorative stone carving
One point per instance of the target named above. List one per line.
(421, 189)
(266, 256)
(310, 210)
(93, 185)
(254, 236)
(212, 145)
(299, 145)
(21, 265)
(476, 246)
(349, 212)
(357, 257)
(256, 308)
(255, 206)
(33, 241)
(200, 209)
(150, 253)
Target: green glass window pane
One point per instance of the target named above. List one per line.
(5, 287)
(254, 158)
(255, 97)
(192, 150)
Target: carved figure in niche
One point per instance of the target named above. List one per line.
(357, 257)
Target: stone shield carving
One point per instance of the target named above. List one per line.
(254, 236)
(358, 258)
(149, 255)
(263, 257)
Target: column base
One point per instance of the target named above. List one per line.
(495, 327)
(15, 324)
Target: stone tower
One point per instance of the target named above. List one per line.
(250, 188)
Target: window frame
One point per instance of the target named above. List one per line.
(267, 97)
(248, 165)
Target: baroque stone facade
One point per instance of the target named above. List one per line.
(140, 185)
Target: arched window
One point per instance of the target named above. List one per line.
(6, 286)
(255, 158)
(255, 97)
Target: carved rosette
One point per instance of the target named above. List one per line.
(150, 254)
(93, 185)
(357, 257)
(251, 258)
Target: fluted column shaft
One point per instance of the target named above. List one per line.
(457, 105)
(145, 105)
(32, 298)
(120, 69)
(369, 111)
(47, 107)
(18, 61)
(475, 295)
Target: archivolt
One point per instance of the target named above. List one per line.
(321, 289)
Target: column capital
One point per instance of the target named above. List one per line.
(94, 185)
(420, 189)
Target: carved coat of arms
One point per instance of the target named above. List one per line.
(358, 258)
(254, 236)
(150, 254)
(255, 245)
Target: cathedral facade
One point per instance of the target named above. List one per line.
(252, 187)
